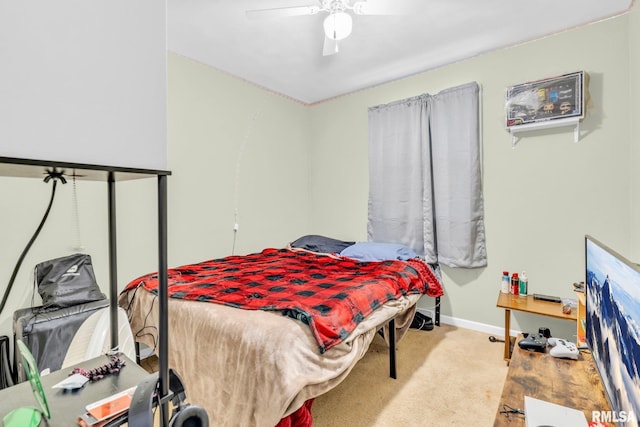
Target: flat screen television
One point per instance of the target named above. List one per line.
(613, 326)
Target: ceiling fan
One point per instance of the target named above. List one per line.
(338, 23)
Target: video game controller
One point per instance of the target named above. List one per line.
(533, 342)
(563, 348)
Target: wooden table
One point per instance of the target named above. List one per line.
(527, 304)
(572, 383)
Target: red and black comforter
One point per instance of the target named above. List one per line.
(331, 295)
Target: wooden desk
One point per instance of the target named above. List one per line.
(527, 304)
(65, 406)
(572, 383)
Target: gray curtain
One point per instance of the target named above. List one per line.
(425, 188)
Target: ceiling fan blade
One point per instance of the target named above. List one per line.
(330, 46)
(382, 7)
(282, 11)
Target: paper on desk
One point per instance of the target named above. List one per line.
(72, 382)
(543, 413)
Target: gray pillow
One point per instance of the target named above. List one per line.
(322, 244)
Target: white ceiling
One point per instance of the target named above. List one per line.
(284, 54)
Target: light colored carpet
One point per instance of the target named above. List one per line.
(446, 377)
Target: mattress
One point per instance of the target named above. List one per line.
(252, 368)
(251, 352)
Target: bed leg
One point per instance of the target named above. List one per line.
(437, 319)
(392, 348)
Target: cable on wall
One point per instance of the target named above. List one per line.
(236, 192)
(78, 246)
(51, 175)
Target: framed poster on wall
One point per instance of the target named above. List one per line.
(544, 100)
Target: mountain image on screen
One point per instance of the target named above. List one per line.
(613, 332)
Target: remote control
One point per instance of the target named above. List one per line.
(563, 348)
(547, 298)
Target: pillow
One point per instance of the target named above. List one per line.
(315, 243)
(373, 251)
(67, 281)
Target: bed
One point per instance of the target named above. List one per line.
(257, 337)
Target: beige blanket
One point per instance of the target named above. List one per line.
(252, 368)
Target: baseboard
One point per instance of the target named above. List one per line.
(476, 326)
(469, 324)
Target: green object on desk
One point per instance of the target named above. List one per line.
(25, 416)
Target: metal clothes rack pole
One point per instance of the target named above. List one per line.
(163, 321)
(113, 261)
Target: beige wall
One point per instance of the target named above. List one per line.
(233, 147)
(541, 198)
(289, 169)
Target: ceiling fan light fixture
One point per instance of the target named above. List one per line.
(338, 25)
